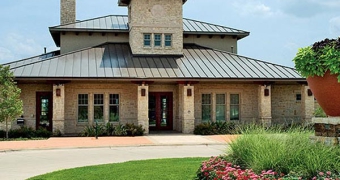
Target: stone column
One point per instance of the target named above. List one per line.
(265, 105)
(143, 107)
(58, 108)
(187, 108)
(307, 103)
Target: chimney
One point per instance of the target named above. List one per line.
(67, 11)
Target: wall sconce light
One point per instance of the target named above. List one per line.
(309, 92)
(143, 92)
(58, 92)
(189, 92)
(266, 92)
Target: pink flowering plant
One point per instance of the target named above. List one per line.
(327, 176)
(217, 168)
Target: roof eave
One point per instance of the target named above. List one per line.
(127, 2)
(162, 79)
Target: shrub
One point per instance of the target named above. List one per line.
(90, 131)
(284, 152)
(42, 132)
(109, 129)
(22, 132)
(120, 130)
(134, 130)
(2, 134)
(212, 128)
(216, 168)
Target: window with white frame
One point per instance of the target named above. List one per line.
(220, 107)
(98, 107)
(83, 103)
(114, 108)
(168, 40)
(147, 40)
(206, 107)
(158, 40)
(234, 107)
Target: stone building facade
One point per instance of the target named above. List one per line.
(147, 68)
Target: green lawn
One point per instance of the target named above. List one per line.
(177, 169)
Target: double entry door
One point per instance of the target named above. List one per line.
(160, 111)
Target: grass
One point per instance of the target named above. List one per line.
(183, 168)
(283, 151)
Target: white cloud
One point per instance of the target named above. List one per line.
(308, 8)
(253, 8)
(5, 55)
(335, 26)
(16, 46)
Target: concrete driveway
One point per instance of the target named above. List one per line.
(18, 165)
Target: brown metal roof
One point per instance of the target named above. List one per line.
(119, 23)
(115, 61)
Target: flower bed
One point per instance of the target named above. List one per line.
(216, 168)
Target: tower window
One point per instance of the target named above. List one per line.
(147, 39)
(158, 40)
(168, 40)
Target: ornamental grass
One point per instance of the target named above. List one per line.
(286, 154)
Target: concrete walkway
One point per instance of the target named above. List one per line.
(87, 142)
(24, 159)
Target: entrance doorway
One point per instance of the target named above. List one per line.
(160, 111)
(44, 110)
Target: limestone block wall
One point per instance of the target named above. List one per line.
(228, 43)
(128, 102)
(156, 16)
(143, 107)
(285, 107)
(72, 42)
(248, 99)
(28, 96)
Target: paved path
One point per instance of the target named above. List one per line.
(24, 159)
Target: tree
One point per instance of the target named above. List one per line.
(10, 102)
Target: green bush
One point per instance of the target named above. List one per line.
(2, 134)
(134, 130)
(42, 132)
(26, 132)
(90, 131)
(22, 132)
(111, 130)
(213, 128)
(285, 152)
(120, 130)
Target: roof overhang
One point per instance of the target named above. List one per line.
(56, 32)
(175, 80)
(127, 2)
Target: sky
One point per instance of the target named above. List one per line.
(277, 27)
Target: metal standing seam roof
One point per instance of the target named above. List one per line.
(119, 23)
(115, 61)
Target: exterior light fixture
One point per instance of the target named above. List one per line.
(266, 92)
(189, 92)
(143, 92)
(309, 92)
(58, 92)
